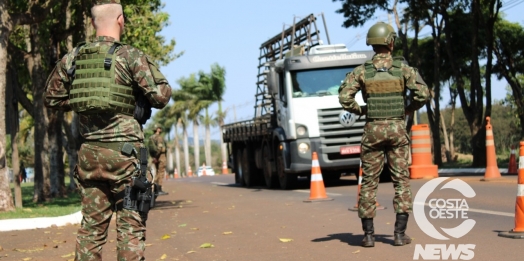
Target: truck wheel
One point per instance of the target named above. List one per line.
(248, 166)
(239, 173)
(270, 177)
(287, 181)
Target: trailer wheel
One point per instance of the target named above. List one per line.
(287, 181)
(270, 177)
(239, 173)
(249, 168)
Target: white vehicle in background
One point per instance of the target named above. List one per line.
(208, 171)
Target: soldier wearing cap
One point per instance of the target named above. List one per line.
(110, 85)
(384, 82)
(157, 151)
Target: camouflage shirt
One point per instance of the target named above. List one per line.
(132, 68)
(157, 145)
(355, 81)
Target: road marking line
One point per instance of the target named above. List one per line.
(483, 211)
(220, 183)
(307, 191)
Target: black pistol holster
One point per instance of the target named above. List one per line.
(139, 195)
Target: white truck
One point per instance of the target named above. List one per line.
(297, 112)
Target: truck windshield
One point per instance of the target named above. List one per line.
(318, 82)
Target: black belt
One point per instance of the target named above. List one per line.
(113, 145)
(384, 119)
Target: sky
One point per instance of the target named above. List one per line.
(230, 32)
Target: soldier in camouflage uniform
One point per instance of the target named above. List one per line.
(384, 82)
(157, 150)
(108, 79)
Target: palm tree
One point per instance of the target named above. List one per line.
(211, 89)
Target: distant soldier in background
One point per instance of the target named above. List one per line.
(384, 82)
(157, 151)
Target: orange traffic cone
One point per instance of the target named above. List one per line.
(355, 207)
(512, 167)
(422, 164)
(189, 172)
(317, 190)
(492, 171)
(518, 231)
(176, 174)
(224, 168)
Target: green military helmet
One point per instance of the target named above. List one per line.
(380, 34)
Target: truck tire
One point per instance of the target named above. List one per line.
(239, 173)
(287, 181)
(249, 168)
(270, 177)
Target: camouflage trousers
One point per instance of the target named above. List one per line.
(160, 168)
(101, 175)
(384, 139)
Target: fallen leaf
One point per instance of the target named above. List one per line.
(194, 228)
(166, 236)
(47, 232)
(388, 223)
(173, 232)
(205, 211)
(358, 251)
(27, 258)
(164, 256)
(148, 245)
(20, 250)
(111, 241)
(67, 255)
(206, 245)
(182, 225)
(285, 240)
(191, 251)
(227, 233)
(27, 210)
(189, 201)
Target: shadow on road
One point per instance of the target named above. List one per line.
(354, 240)
(168, 204)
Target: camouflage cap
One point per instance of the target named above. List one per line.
(103, 2)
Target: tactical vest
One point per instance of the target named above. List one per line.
(384, 91)
(94, 89)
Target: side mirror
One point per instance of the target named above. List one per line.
(273, 80)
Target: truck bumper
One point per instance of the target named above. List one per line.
(301, 163)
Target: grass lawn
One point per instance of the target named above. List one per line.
(54, 208)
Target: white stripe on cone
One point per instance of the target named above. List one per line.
(520, 190)
(315, 163)
(316, 177)
(521, 162)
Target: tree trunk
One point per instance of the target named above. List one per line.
(70, 125)
(12, 123)
(196, 143)
(177, 151)
(186, 150)
(34, 63)
(453, 94)
(6, 199)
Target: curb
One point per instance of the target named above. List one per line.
(40, 222)
(468, 171)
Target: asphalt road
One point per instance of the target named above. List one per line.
(251, 223)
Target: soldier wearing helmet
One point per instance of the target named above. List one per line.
(384, 82)
(157, 151)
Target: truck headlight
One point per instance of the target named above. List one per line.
(301, 130)
(303, 148)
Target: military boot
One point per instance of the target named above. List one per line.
(369, 230)
(161, 192)
(400, 228)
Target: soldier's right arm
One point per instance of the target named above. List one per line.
(149, 78)
(348, 90)
(56, 93)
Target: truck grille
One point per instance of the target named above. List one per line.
(333, 134)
